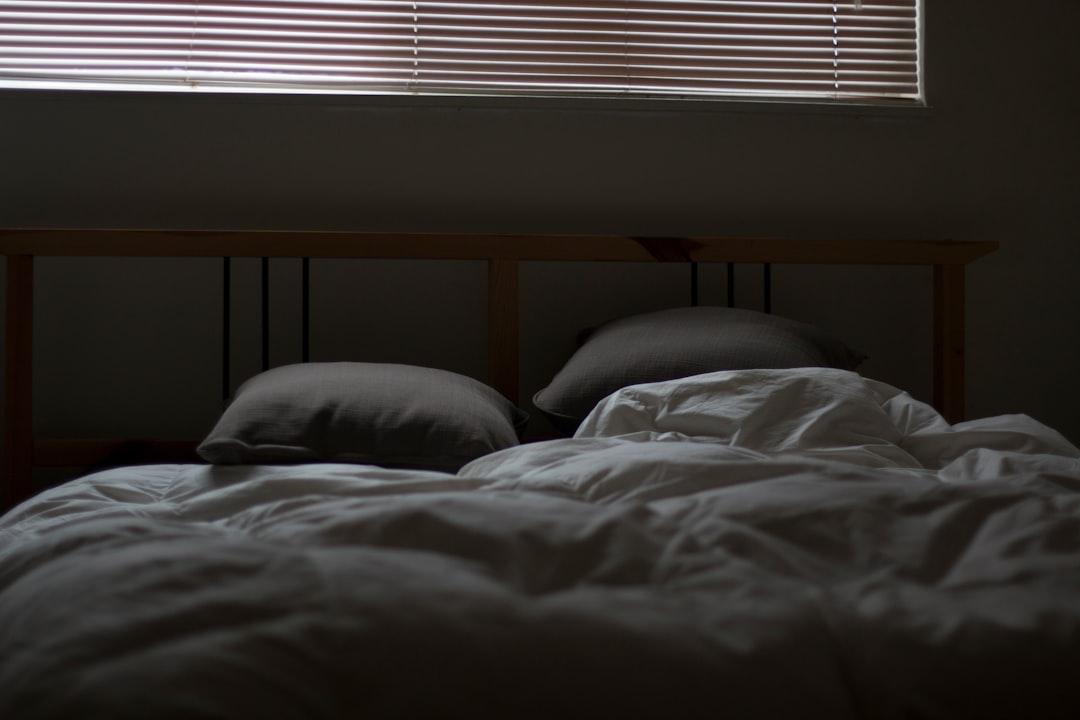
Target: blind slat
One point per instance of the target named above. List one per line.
(693, 47)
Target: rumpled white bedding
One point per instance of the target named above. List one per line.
(752, 544)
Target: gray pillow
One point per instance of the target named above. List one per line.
(677, 343)
(373, 413)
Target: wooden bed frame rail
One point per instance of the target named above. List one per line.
(23, 451)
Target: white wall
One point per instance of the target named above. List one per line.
(995, 158)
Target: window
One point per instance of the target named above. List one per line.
(798, 49)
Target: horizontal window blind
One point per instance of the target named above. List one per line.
(691, 48)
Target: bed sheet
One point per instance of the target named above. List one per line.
(760, 544)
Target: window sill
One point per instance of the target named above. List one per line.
(485, 103)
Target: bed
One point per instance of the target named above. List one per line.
(783, 539)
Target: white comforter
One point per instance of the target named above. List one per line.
(759, 544)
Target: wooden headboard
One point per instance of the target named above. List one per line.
(503, 253)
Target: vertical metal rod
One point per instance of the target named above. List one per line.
(266, 313)
(731, 284)
(766, 270)
(226, 328)
(305, 270)
(693, 284)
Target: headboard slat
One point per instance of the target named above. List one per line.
(466, 246)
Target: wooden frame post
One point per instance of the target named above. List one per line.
(949, 341)
(18, 381)
(503, 327)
